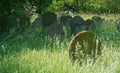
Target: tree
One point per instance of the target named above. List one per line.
(18, 12)
(40, 5)
(11, 12)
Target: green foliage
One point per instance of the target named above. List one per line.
(17, 13)
(11, 7)
(13, 14)
(40, 5)
(93, 6)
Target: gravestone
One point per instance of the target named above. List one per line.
(55, 30)
(37, 22)
(77, 24)
(89, 25)
(84, 45)
(97, 19)
(118, 27)
(49, 18)
(65, 20)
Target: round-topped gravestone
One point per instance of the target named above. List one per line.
(89, 25)
(84, 44)
(77, 24)
(48, 18)
(65, 20)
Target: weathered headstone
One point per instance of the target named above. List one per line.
(77, 24)
(49, 18)
(89, 25)
(84, 45)
(118, 27)
(37, 22)
(65, 20)
(55, 30)
(97, 19)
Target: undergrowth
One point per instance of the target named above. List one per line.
(32, 51)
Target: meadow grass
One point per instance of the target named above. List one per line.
(33, 52)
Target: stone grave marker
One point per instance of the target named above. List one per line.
(89, 25)
(77, 24)
(55, 30)
(84, 45)
(37, 22)
(48, 18)
(64, 20)
(97, 19)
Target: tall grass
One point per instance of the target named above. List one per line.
(33, 52)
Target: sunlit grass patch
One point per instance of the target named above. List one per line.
(44, 61)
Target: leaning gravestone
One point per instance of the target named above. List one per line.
(55, 30)
(89, 25)
(65, 20)
(77, 24)
(48, 18)
(118, 27)
(84, 45)
(36, 23)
